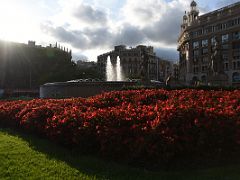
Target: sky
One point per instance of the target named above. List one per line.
(93, 27)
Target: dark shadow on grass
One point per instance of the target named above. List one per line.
(87, 164)
(105, 169)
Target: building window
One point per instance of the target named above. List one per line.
(206, 31)
(236, 35)
(204, 78)
(234, 65)
(204, 43)
(213, 41)
(236, 77)
(200, 32)
(226, 66)
(195, 44)
(214, 28)
(211, 29)
(224, 26)
(224, 38)
(225, 46)
(205, 59)
(195, 69)
(219, 26)
(238, 64)
(130, 70)
(204, 68)
(195, 59)
(195, 33)
(236, 46)
(225, 57)
(236, 57)
(236, 21)
(196, 53)
(230, 23)
(204, 50)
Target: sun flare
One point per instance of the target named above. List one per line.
(16, 23)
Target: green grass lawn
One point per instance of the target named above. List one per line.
(28, 157)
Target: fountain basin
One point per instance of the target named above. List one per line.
(81, 89)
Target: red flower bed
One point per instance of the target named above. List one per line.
(141, 125)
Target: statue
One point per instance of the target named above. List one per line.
(217, 77)
(144, 66)
(169, 80)
(215, 65)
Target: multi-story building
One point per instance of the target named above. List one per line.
(81, 64)
(176, 71)
(136, 61)
(198, 38)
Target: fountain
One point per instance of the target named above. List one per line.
(120, 75)
(110, 70)
(114, 81)
(114, 70)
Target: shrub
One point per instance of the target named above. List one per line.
(145, 126)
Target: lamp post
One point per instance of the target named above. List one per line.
(30, 76)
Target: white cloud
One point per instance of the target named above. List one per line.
(222, 3)
(144, 13)
(90, 15)
(89, 26)
(94, 26)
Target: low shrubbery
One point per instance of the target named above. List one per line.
(147, 126)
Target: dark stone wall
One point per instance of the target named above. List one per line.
(82, 89)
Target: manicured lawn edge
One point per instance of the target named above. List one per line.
(27, 156)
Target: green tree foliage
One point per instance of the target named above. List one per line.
(23, 66)
(88, 72)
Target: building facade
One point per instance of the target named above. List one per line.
(81, 64)
(137, 62)
(197, 41)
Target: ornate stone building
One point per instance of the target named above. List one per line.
(197, 44)
(140, 62)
